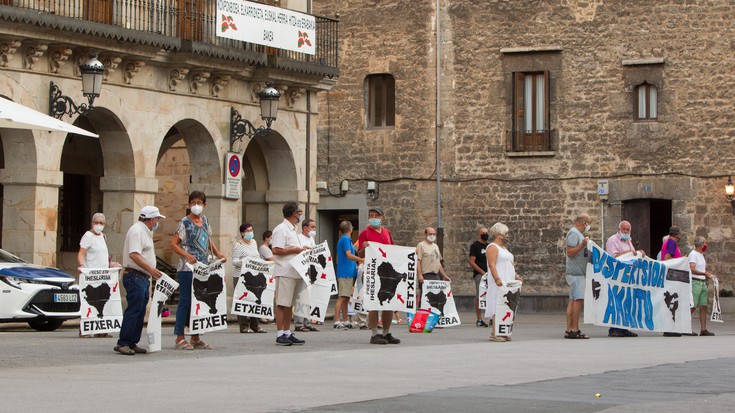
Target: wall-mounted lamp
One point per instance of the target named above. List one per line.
(372, 189)
(92, 72)
(344, 186)
(730, 193)
(240, 127)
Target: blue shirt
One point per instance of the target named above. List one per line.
(346, 268)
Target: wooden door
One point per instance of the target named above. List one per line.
(99, 11)
(650, 220)
(191, 20)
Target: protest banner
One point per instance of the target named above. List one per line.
(208, 310)
(389, 278)
(101, 306)
(716, 309)
(507, 300)
(437, 297)
(482, 293)
(255, 290)
(316, 269)
(163, 290)
(357, 293)
(637, 292)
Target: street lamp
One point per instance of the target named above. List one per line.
(239, 127)
(92, 72)
(730, 193)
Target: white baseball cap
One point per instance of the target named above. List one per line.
(150, 212)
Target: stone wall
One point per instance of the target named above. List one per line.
(596, 52)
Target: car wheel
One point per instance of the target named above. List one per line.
(45, 325)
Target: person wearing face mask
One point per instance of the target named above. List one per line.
(306, 238)
(192, 242)
(478, 262)
(698, 268)
(139, 260)
(618, 244)
(93, 253)
(576, 270)
(428, 260)
(376, 232)
(246, 246)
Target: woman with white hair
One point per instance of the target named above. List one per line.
(500, 266)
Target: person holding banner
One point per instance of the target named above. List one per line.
(501, 268)
(478, 262)
(698, 268)
(289, 284)
(139, 260)
(428, 260)
(376, 232)
(192, 242)
(246, 246)
(618, 244)
(306, 238)
(576, 270)
(93, 253)
(347, 263)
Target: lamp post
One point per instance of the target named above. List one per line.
(239, 127)
(730, 193)
(92, 72)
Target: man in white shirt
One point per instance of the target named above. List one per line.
(698, 268)
(306, 238)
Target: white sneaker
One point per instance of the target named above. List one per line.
(340, 325)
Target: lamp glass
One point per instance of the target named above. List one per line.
(92, 72)
(729, 189)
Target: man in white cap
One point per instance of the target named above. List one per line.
(139, 260)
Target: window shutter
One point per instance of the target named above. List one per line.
(545, 136)
(518, 114)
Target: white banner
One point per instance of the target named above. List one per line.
(507, 299)
(482, 293)
(716, 309)
(208, 298)
(163, 290)
(255, 290)
(357, 293)
(437, 298)
(101, 306)
(316, 269)
(265, 25)
(637, 293)
(389, 278)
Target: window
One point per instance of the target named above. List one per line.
(531, 111)
(380, 101)
(646, 102)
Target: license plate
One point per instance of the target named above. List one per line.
(66, 298)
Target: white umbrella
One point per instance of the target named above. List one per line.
(16, 116)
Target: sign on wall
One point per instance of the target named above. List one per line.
(233, 176)
(265, 25)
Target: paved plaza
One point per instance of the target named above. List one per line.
(453, 369)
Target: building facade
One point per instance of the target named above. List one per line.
(461, 113)
(164, 119)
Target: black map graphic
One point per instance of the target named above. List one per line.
(322, 260)
(97, 297)
(437, 300)
(256, 284)
(389, 279)
(596, 289)
(159, 310)
(208, 291)
(312, 273)
(672, 301)
(512, 299)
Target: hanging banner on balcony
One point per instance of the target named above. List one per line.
(265, 25)
(233, 176)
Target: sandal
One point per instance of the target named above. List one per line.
(200, 345)
(570, 334)
(581, 335)
(497, 339)
(260, 330)
(183, 345)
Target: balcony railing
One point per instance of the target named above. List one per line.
(192, 22)
(530, 141)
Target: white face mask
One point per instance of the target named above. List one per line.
(98, 228)
(587, 228)
(431, 238)
(312, 234)
(197, 209)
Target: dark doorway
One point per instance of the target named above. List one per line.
(328, 226)
(650, 219)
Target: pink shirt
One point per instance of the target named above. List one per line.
(616, 246)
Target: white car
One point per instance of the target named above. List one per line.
(41, 296)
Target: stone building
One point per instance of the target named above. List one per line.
(530, 104)
(163, 117)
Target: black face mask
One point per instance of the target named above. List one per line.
(485, 237)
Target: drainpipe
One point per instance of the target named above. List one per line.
(439, 229)
(308, 153)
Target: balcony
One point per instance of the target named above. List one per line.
(184, 26)
(520, 143)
